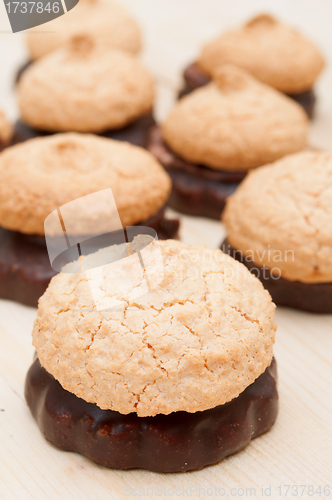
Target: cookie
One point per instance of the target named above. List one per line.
(235, 123)
(104, 21)
(271, 51)
(192, 344)
(84, 88)
(46, 173)
(215, 135)
(287, 229)
(181, 339)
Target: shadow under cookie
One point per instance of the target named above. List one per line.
(194, 78)
(136, 133)
(25, 269)
(310, 297)
(176, 442)
(196, 189)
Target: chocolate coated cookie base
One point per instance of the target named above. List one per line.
(196, 190)
(21, 70)
(136, 133)
(194, 78)
(310, 297)
(165, 443)
(25, 269)
(5, 144)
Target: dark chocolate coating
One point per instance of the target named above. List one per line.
(310, 297)
(307, 100)
(21, 70)
(196, 190)
(25, 269)
(194, 78)
(5, 144)
(177, 442)
(136, 133)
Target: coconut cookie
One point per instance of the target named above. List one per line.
(271, 51)
(85, 87)
(43, 174)
(284, 236)
(103, 20)
(214, 135)
(177, 369)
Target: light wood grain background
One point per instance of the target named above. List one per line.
(297, 451)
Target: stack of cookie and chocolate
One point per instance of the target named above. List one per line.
(46, 173)
(271, 51)
(180, 373)
(86, 87)
(170, 381)
(285, 236)
(215, 135)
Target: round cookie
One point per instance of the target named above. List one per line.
(45, 173)
(270, 50)
(194, 342)
(280, 218)
(105, 21)
(292, 211)
(158, 367)
(84, 88)
(235, 123)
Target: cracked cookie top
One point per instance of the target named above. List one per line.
(281, 217)
(42, 174)
(235, 123)
(85, 87)
(195, 341)
(271, 51)
(103, 20)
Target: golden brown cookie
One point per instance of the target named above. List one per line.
(103, 20)
(271, 51)
(194, 342)
(43, 174)
(281, 217)
(85, 87)
(235, 123)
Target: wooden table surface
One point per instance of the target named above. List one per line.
(294, 459)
